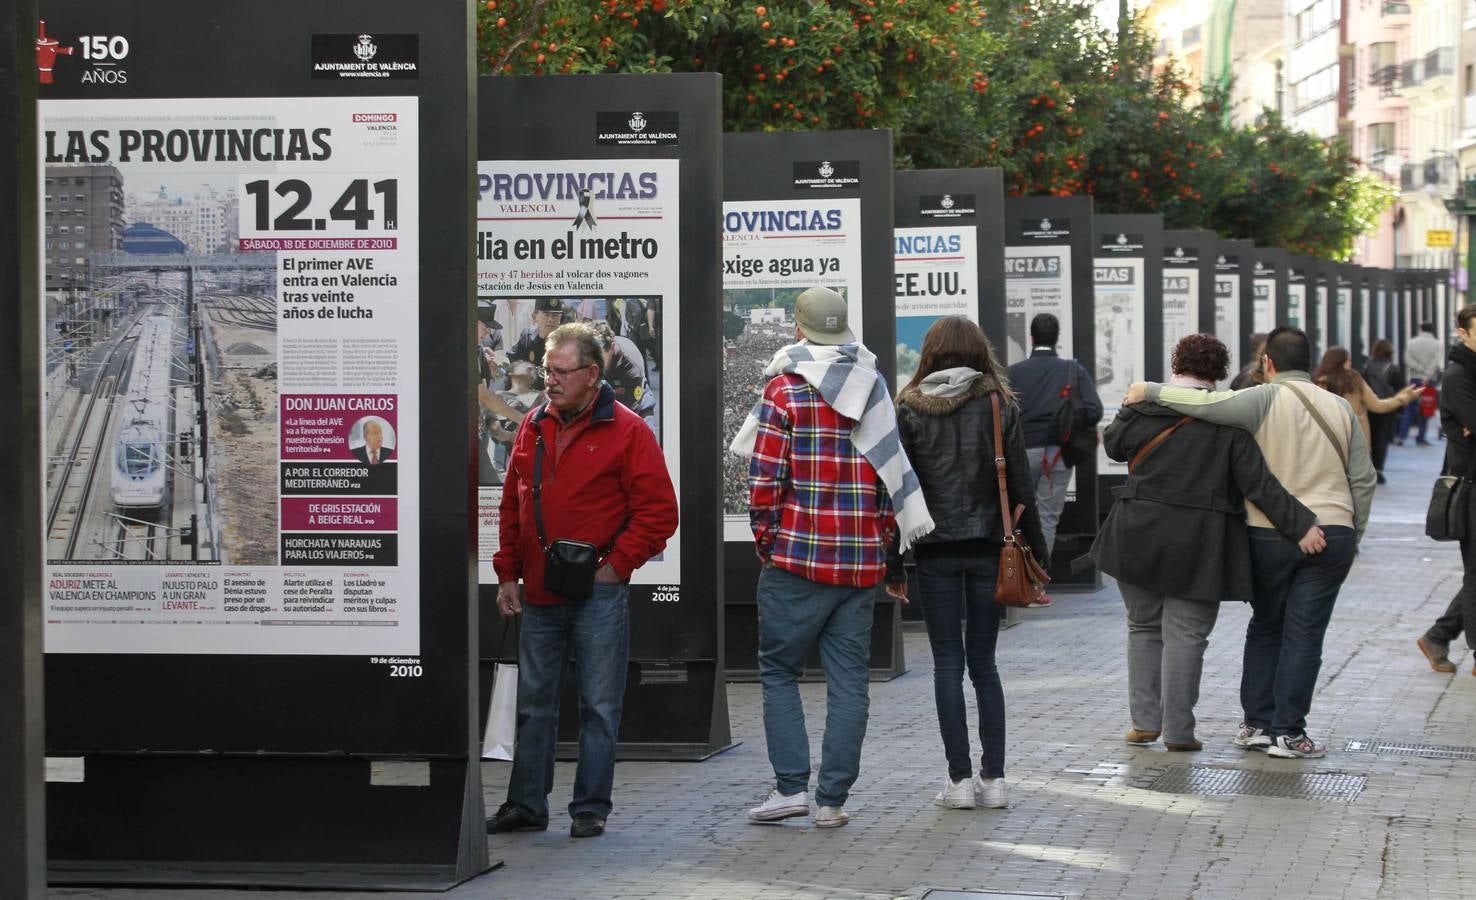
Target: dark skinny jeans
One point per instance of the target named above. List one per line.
(955, 588)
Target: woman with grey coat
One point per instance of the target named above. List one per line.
(1176, 540)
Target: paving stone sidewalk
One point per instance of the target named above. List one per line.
(1086, 820)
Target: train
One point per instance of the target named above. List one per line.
(140, 467)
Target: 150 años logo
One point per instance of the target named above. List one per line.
(102, 53)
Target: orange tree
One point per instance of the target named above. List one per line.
(908, 65)
(1035, 87)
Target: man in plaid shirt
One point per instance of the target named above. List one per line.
(822, 519)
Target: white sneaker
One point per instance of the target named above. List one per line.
(1252, 738)
(779, 806)
(991, 793)
(831, 817)
(1301, 746)
(957, 794)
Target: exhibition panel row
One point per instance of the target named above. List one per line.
(293, 315)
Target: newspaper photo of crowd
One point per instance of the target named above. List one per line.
(756, 323)
(510, 344)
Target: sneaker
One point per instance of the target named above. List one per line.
(991, 793)
(956, 794)
(779, 806)
(1299, 746)
(831, 817)
(1437, 654)
(1139, 736)
(1252, 738)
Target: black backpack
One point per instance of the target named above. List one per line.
(1070, 426)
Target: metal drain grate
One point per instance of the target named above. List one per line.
(1394, 748)
(1208, 781)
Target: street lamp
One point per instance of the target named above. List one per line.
(1461, 205)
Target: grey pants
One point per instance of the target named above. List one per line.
(1167, 637)
(1050, 489)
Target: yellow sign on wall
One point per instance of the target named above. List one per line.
(1439, 237)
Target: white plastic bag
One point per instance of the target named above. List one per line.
(502, 716)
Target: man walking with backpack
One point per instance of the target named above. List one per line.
(1058, 405)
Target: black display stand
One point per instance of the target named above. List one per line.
(1126, 237)
(1347, 282)
(1300, 277)
(784, 165)
(270, 770)
(974, 197)
(1235, 289)
(676, 704)
(1063, 225)
(1185, 250)
(22, 792)
(1268, 275)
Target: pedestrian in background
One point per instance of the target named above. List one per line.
(1250, 374)
(1335, 373)
(1384, 377)
(1423, 360)
(828, 486)
(946, 415)
(1458, 424)
(1176, 540)
(1041, 383)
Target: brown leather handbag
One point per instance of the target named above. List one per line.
(1021, 580)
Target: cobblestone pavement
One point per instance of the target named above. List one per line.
(1085, 818)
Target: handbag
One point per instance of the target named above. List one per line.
(1450, 498)
(1021, 580)
(569, 566)
(1429, 401)
(501, 735)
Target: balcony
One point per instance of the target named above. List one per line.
(1411, 177)
(1393, 8)
(1386, 79)
(1440, 62)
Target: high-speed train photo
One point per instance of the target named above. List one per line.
(140, 450)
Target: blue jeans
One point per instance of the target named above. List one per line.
(951, 587)
(796, 614)
(595, 634)
(1294, 597)
(1410, 416)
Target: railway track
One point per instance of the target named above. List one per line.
(243, 311)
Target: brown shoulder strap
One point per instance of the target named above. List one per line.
(1157, 439)
(1321, 423)
(999, 469)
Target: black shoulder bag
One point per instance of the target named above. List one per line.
(1446, 519)
(569, 566)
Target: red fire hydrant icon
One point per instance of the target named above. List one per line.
(47, 50)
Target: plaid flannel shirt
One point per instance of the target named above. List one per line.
(816, 505)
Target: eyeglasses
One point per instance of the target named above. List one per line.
(545, 372)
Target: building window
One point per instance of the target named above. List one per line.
(1316, 18)
(1191, 37)
(79, 181)
(64, 230)
(1381, 140)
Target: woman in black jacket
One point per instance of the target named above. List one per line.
(946, 419)
(1176, 540)
(1386, 380)
(1458, 424)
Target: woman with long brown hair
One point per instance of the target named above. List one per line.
(1335, 373)
(1384, 377)
(946, 418)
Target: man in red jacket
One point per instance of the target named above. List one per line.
(602, 480)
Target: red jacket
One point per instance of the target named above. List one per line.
(603, 469)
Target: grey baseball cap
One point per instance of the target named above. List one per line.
(821, 316)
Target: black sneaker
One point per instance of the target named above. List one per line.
(510, 817)
(586, 824)
(1296, 746)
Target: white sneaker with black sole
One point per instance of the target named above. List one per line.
(1252, 738)
(778, 807)
(956, 794)
(991, 793)
(1299, 746)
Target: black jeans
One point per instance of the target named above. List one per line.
(1462, 608)
(1294, 598)
(1381, 432)
(953, 588)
